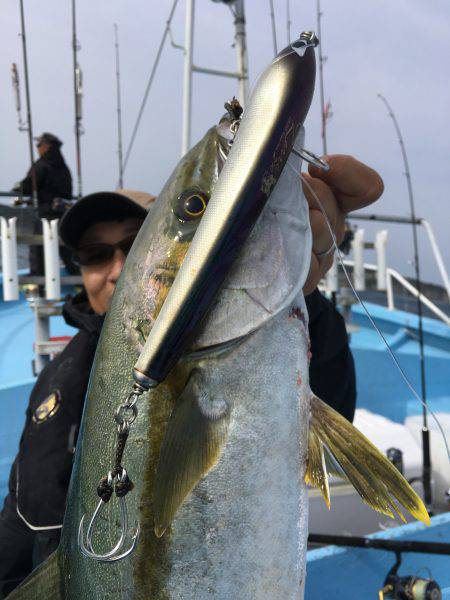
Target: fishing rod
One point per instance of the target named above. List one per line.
(288, 21)
(165, 34)
(22, 126)
(78, 94)
(29, 124)
(119, 107)
(353, 541)
(426, 468)
(323, 114)
(322, 97)
(274, 31)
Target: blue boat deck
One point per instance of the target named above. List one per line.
(329, 568)
(380, 387)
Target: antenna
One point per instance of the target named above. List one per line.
(322, 99)
(78, 95)
(29, 125)
(426, 472)
(119, 108)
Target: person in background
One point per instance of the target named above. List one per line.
(53, 181)
(100, 229)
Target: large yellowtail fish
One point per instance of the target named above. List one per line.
(219, 451)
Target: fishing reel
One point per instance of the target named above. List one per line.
(408, 587)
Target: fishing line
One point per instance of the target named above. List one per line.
(149, 84)
(374, 325)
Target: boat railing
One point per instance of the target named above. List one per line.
(384, 275)
(407, 221)
(51, 281)
(391, 274)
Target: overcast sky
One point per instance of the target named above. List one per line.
(399, 48)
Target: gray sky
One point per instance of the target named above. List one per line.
(398, 48)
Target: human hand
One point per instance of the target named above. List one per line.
(347, 186)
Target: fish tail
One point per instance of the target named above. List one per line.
(335, 446)
(43, 582)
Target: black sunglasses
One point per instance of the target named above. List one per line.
(99, 253)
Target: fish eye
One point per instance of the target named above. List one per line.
(191, 205)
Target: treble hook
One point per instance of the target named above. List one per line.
(111, 556)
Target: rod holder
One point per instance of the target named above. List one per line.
(9, 259)
(381, 238)
(358, 256)
(51, 259)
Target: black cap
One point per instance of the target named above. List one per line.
(102, 206)
(49, 138)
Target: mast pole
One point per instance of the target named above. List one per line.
(27, 95)
(187, 87)
(76, 80)
(322, 96)
(426, 473)
(119, 108)
(241, 50)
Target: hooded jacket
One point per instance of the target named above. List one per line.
(53, 180)
(41, 472)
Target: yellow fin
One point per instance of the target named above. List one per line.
(335, 445)
(195, 435)
(316, 470)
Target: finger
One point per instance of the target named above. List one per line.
(354, 184)
(325, 264)
(322, 239)
(325, 195)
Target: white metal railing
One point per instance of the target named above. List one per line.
(51, 259)
(428, 230)
(437, 255)
(9, 259)
(392, 274)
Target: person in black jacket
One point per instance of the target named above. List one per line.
(51, 178)
(331, 369)
(101, 228)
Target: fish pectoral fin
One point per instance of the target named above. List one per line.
(196, 433)
(336, 446)
(44, 582)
